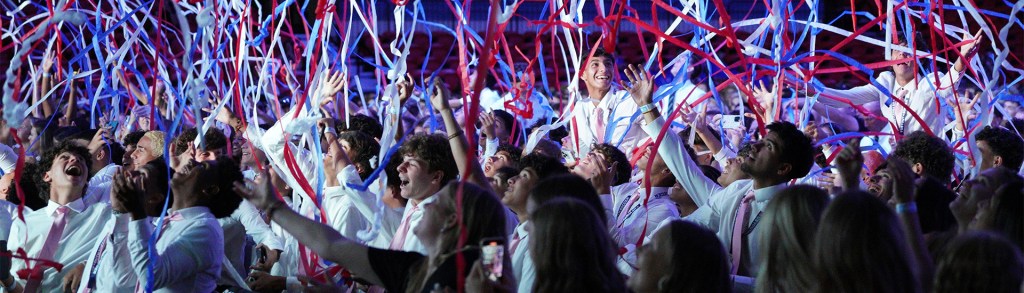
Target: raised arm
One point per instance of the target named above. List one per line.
(457, 138)
(321, 238)
(686, 171)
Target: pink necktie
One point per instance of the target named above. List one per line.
(49, 247)
(737, 231)
(399, 241)
(599, 113)
(515, 243)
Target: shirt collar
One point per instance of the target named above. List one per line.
(193, 212)
(78, 206)
(521, 229)
(767, 193)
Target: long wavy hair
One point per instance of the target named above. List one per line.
(787, 241)
(571, 249)
(980, 262)
(861, 247)
(483, 217)
(699, 262)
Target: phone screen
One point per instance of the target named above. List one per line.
(731, 121)
(493, 254)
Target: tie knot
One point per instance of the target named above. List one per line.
(749, 197)
(173, 216)
(61, 210)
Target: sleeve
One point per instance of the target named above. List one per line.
(274, 141)
(947, 82)
(858, 95)
(256, 227)
(393, 267)
(364, 201)
(687, 173)
(723, 156)
(8, 159)
(187, 255)
(490, 148)
(14, 243)
(121, 272)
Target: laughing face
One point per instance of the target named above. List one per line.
(68, 170)
(598, 74)
(417, 182)
(901, 69)
(495, 162)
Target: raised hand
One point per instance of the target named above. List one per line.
(968, 50)
(641, 87)
(439, 95)
(261, 194)
(765, 98)
(962, 107)
(126, 194)
(603, 175)
(405, 89)
(902, 180)
(487, 125)
(849, 162)
(330, 86)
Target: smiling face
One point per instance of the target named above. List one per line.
(417, 182)
(67, 171)
(732, 172)
(904, 68)
(587, 167)
(143, 153)
(598, 73)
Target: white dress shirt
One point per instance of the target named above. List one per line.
(245, 220)
(414, 216)
(98, 189)
(189, 253)
(920, 95)
(634, 220)
(83, 227)
(367, 205)
(110, 269)
(342, 213)
(722, 203)
(522, 263)
(616, 109)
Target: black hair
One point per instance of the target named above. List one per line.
(364, 124)
(510, 123)
(132, 138)
(514, 153)
(46, 162)
(543, 165)
(225, 201)
(613, 155)
(931, 152)
(796, 148)
(933, 206)
(364, 147)
(183, 139)
(568, 185)
(29, 188)
(1005, 144)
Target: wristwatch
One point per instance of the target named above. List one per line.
(647, 108)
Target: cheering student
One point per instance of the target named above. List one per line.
(783, 154)
(603, 116)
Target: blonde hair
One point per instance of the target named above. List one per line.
(156, 139)
(791, 222)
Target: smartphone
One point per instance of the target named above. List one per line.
(732, 121)
(493, 255)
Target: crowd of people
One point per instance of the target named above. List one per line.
(627, 187)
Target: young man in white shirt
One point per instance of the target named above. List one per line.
(784, 154)
(916, 91)
(535, 167)
(639, 212)
(604, 115)
(189, 250)
(109, 266)
(64, 230)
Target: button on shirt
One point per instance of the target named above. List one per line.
(84, 224)
(614, 111)
(189, 252)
